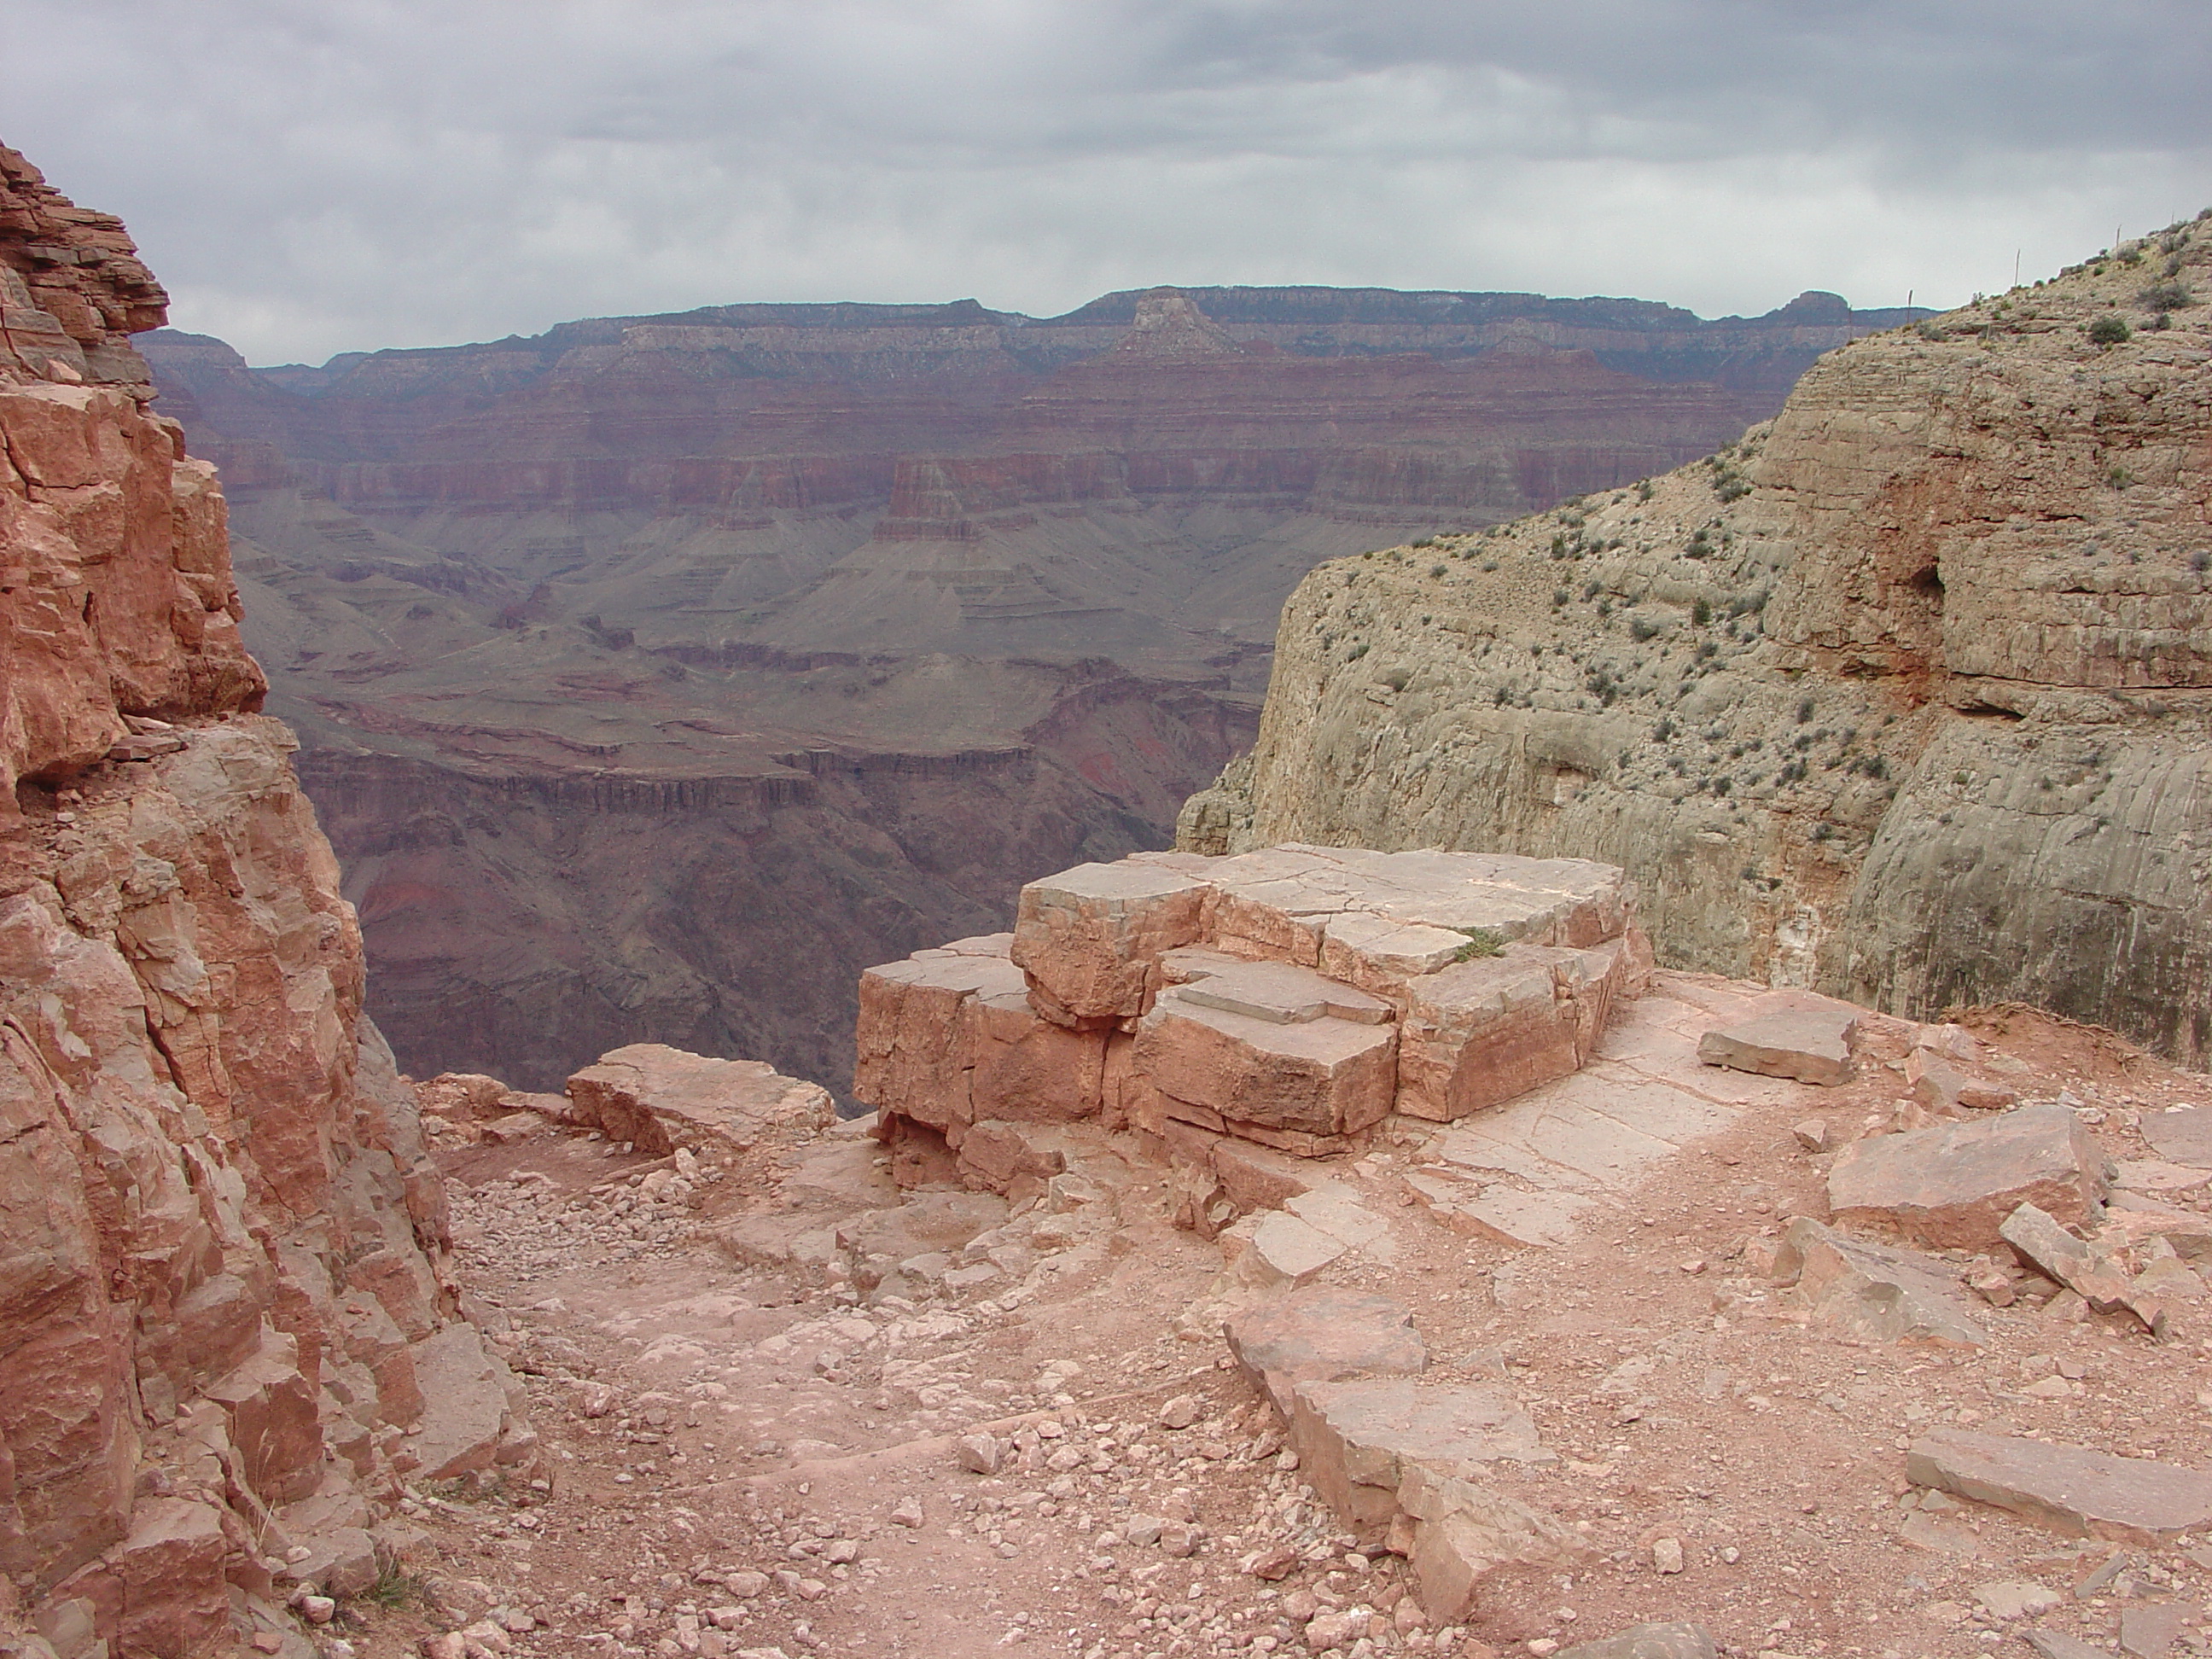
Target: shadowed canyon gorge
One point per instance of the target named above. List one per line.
(657, 674)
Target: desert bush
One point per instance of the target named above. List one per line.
(2109, 329)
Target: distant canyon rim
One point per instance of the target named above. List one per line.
(657, 674)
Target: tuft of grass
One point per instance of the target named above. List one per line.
(395, 1589)
(1480, 942)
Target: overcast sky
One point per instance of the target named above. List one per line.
(315, 176)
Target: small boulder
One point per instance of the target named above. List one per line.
(1955, 1183)
(1817, 1045)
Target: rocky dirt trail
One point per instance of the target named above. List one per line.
(1026, 1430)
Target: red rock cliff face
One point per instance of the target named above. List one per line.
(225, 1335)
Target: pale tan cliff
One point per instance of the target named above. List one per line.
(1903, 696)
(227, 1334)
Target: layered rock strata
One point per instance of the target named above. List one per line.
(227, 1334)
(1280, 1001)
(618, 649)
(1906, 696)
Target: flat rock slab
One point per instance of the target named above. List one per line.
(1282, 993)
(1323, 1335)
(1357, 1440)
(1956, 1183)
(2183, 1135)
(1274, 1249)
(1868, 1292)
(1501, 1214)
(1323, 1076)
(1648, 1642)
(1569, 1144)
(2149, 1629)
(1812, 1045)
(660, 1098)
(2070, 1489)
(2057, 1645)
(468, 1396)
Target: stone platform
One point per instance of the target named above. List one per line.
(1283, 1001)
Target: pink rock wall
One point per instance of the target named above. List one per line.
(222, 1285)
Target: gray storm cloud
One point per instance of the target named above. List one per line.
(316, 178)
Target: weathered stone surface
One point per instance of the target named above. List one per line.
(1955, 1183)
(1946, 1089)
(1481, 1032)
(1869, 1292)
(1178, 995)
(2057, 1645)
(2011, 1598)
(660, 1098)
(472, 1404)
(1357, 1440)
(2083, 1266)
(1323, 1335)
(2149, 1629)
(1813, 1044)
(2182, 1134)
(1678, 1641)
(2071, 1489)
(1458, 1532)
(2132, 1218)
(1282, 994)
(1090, 937)
(1025, 1068)
(1326, 1077)
(1272, 1249)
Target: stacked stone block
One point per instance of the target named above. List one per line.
(1289, 1000)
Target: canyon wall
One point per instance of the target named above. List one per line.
(668, 671)
(1905, 696)
(226, 1335)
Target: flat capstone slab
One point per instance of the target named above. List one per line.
(1812, 1045)
(1324, 1335)
(1282, 993)
(2070, 1489)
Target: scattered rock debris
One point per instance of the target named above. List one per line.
(797, 1408)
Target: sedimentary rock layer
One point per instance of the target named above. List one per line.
(1007, 582)
(1906, 696)
(225, 1329)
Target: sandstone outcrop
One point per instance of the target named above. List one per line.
(1285, 1000)
(1903, 697)
(226, 1330)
